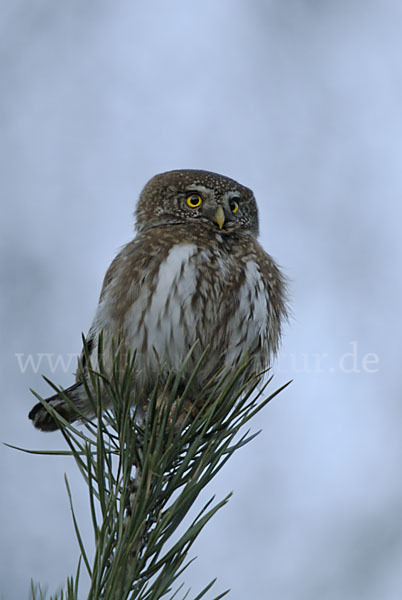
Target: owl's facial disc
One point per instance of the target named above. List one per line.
(186, 196)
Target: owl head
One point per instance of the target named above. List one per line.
(192, 196)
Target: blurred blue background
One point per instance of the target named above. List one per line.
(299, 100)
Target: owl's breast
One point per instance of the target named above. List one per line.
(195, 293)
(162, 321)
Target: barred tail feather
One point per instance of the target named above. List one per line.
(44, 421)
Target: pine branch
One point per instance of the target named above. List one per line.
(144, 475)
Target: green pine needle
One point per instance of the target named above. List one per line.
(144, 475)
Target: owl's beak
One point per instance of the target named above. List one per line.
(220, 216)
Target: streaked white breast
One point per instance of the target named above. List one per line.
(161, 319)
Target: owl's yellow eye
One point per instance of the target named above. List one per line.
(194, 200)
(234, 207)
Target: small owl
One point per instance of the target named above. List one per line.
(195, 272)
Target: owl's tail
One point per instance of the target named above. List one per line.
(44, 421)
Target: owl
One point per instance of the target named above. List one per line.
(194, 274)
